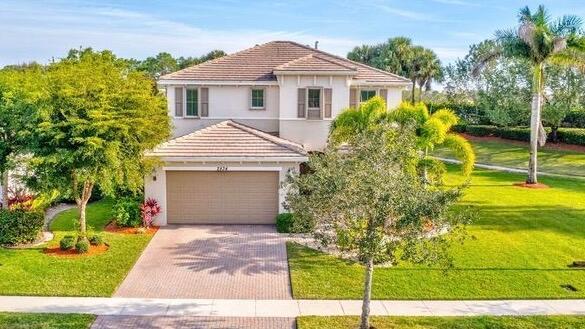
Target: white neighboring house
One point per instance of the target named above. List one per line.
(243, 121)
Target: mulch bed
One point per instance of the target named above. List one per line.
(534, 186)
(113, 228)
(548, 145)
(93, 250)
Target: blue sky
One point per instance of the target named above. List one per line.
(40, 30)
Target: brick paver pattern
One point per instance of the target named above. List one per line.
(211, 261)
(191, 322)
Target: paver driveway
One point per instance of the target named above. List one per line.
(211, 261)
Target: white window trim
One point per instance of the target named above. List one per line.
(258, 108)
(320, 108)
(198, 116)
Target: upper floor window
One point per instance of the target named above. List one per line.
(257, 99)
(313, 103)
(365, 95)
(192, 103)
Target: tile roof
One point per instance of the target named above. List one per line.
(258, 64)
(314, 62)
(229, 139)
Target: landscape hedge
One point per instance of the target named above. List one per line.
(20, 226)
(575, 136)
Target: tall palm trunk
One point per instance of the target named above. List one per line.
(4, 183)
(535, 124)
(365, 318)
(412, 100)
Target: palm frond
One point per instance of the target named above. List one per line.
(447, 116)
(462, 150)
(559, 44)
(433, 169)
(527, 33)
(569, 57)
(406, 113)
(432, 132)
(568, 24)
(485, 59)
(525, 15)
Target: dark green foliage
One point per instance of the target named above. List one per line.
(127, 212)
(96, 240)
(67, 243)
(468, 113)
(481, 130)
(82, 245)
(571, 136)
(19, 226)
(575, 119)
(288, 223)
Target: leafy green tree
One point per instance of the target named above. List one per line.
(161, 64)
(398, 55)
(183, 62)
(21, 89)
(541, 42)
(565, 93)
(97, 120)
(365, 200)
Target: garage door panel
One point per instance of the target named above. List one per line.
(203, 197)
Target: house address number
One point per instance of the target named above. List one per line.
(222, 168)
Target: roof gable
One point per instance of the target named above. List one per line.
(258, 64)
(229, 139)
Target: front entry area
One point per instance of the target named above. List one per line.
(222, 197)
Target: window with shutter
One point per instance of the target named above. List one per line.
(353, 97)
(192, 103)
(301, 99)
(328, 100)
(204, 101)
(178, 102)
(314, 104)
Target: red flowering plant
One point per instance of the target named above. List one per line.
(149, 209)
(21, 201)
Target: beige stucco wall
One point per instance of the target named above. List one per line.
(157, 188)
(228, 102)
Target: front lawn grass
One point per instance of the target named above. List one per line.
(524, 240)
(32, 272)
(45, 321)
(484, 322)
(515, 155)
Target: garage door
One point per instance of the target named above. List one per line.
(209, 197)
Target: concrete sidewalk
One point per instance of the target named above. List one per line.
(283, 308)
(509, 169)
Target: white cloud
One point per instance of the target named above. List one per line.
(128, 33)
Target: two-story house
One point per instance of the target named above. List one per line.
(243, 121)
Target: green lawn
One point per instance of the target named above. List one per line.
(529, 322)
(45, 321)
(516, 156)
(31, 272)
(524, 240)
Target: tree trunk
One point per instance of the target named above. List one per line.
(413, 90)
(365, 319)
(553, 134)
(4, 189)
(82, 205)
(535, 125)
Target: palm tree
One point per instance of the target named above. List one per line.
(424, 66)
(434, 130)
(540, 41)
(352, 121)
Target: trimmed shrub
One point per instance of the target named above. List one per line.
(571, 136)
(481, 131)
(82, 245)
(517, 133)
(96, 240)
(19, 226)
(67, 243)
(127, 212)
(289, 223)
(575, 119)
